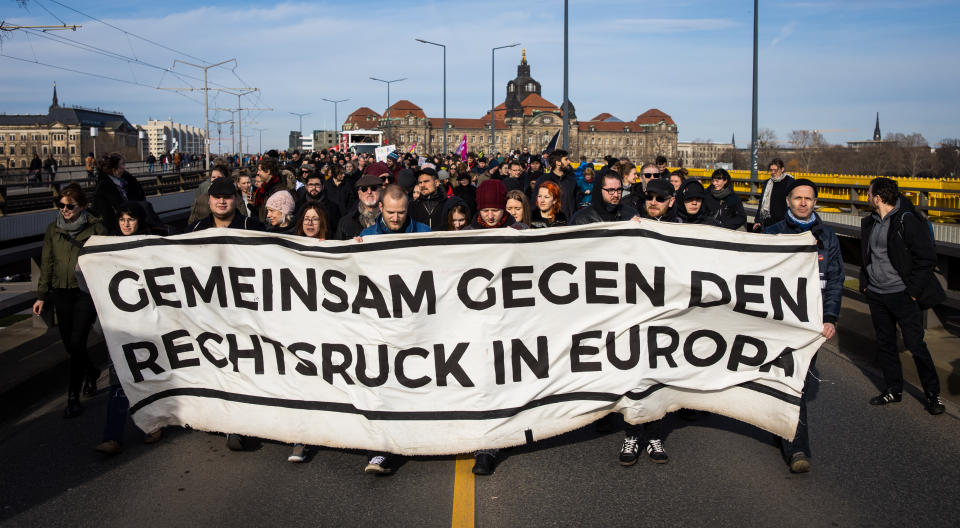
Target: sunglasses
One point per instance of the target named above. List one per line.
(68, 207)
(613, 190)
(651, 174)
(657, 198)
(366, 188)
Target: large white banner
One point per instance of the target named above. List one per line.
(441, 343)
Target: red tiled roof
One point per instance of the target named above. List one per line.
(602, 117)
(606, 126)
(363, 117)
(460, 122)
(652, 117)
(403, 108)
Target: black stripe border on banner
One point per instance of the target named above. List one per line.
(454, 240)
(428, 415)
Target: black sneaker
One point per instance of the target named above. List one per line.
(656, 452)
(484, 463)
(629, 451)
(799, 463)
(234, 442)
(935, 404)
(885, 397)
(378, 465)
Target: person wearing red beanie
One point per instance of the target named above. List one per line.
(491, 207)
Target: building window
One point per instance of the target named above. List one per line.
(73, 149)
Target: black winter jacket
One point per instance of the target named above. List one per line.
(728, 211)
(429, 210)
(912, 253)
(829, 259)
(107, 198)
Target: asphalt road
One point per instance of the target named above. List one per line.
(870, 467)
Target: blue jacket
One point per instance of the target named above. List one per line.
(830, 260)
(380, 228)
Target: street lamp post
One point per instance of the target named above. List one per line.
(388, 83)
(753, 141)
(300, 130)
(492, 75)
(566, 72)
(336, 119)
(444, 90)
(260, 133)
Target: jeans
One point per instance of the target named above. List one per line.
(75, 317)
(886, 311)
(117, 410)
(801, 441)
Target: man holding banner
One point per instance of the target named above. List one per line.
(800, 218)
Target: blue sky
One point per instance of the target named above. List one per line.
(827, 65)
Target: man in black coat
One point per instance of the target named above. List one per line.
(606, 205)
(429, 206)
(313, 190)
(365, 211)
(897, 276)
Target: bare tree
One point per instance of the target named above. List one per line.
(766, 146)
(914, 153)
(807, 144)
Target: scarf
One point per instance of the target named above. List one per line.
(804, 224)
(764, 211)
(483, 225)
(722, 193)
(72, 228)
(260, 195)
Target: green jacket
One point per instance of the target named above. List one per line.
(58, 262)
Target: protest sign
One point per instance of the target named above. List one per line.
(381, 153)
(440, 343)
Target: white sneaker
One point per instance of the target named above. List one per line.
(297, 455)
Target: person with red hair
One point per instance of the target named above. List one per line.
(549, 210)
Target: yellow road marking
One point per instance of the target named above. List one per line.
(464, 496)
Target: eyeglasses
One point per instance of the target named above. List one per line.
(314, 185)
(368, 188)
(613, 190)
(311, 220)
(657, 198)
(68, 207)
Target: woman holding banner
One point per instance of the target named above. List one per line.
(132, 221)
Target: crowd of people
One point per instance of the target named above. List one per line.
(330, 195)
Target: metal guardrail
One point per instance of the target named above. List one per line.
(940, 204)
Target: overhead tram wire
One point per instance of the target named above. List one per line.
(48, 11)
(114, 55)
(71, 70)
(91, 17)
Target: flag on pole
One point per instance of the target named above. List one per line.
(462, 148)
(552, 145)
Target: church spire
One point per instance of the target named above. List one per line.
(733, 140)
(55, 102)
(876, 129)
(523, 58)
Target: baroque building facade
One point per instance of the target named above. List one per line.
(524, 119)
(65, 133)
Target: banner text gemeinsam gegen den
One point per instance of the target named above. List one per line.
(441, 343)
